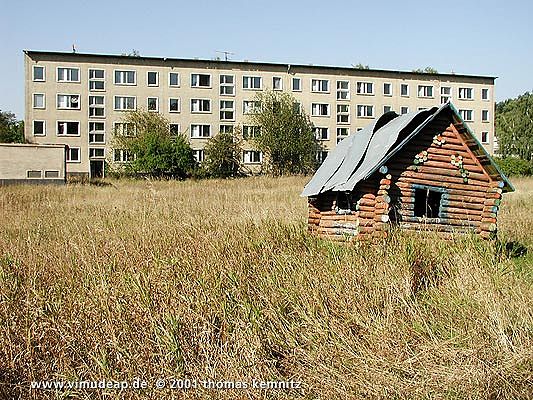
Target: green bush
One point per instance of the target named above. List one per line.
(513, 166)
(222, 156)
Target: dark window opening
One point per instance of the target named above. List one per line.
(344, 203)
(427, 203)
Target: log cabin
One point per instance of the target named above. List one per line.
(418, 171)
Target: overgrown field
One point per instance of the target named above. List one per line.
(219, 280)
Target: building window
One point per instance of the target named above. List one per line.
(365, 88)
(122, 156)
(485, 115)
(251, 82)
(96, 106)
(39, 128)
(445, 94)
(321, 133)
(68, 101)
(365, 111)
(152, 104)
(404, 110)
(250, 106)
(97, 152)
(342, 132)
(73, 154)
(38, 73)
(485, 94)
(152, 78)
(124, 103)
(96, 133)
(427, 203)
(200, 131)
(343, 90)
(252, 157)
(173, 79)
(321, 156)
(421, 108)
(125, 77)
(320, 110)
(228, 129)
(484, 137)
(174, 105)
(38, 100)
(467, 115)
(425, 91)
(320, 85)
(68, 128)
(296, 85)
(198, 155)
(387, 109)
(277, 83)
(404, 90)
(68, 74)
(343, 114)
(227, 110)
(387, 89)
(124, 129)
(250, 131)
(51, 174)
(466, 93)
(174, 129)
(33, 174)
(201, 80)
(96, 80)
(200, 105)
(227, 85)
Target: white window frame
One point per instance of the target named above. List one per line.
(278, 79)
(402, 108)
(317, 85)
(488, 138)
(68, 80)
(406, 85)
(226, 128)
(198, 85)
(201, 103)
(156, 84)
(67, 121)
(198, 155)
(68, 156)
(92, 80)
(122, 125)
(321, 156)
(318, 107)
(319, 131)
(248, 82)
(343, 92)
(124, 109)
(68, 108)
(93, 157)
(343, 129)
(179, 105)
(44, 101)
(201, 127)
(465, 112)
(33, 127)
(227, 110)
(483, 113)
(97, 106)
(462, 91)
(389, 109)
(390, 87)
(488, 94)
(445, 97)
(250, 131)
(362, 88)
(170, 80)
(299, 84)
(174, 124)
(156, 103)
(424, 89)
(249, 110)
(124, 157)
(123, 73)
(365, 114)
(95, 132)
(225, 85)
(341, 114)
(33, 73)
(246, 156)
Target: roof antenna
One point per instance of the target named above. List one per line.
(226, 54)
(73, 47)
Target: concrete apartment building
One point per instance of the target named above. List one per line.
(79, 99)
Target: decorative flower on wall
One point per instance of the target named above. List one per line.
(439, 140)
(421, 157)
(457, 161)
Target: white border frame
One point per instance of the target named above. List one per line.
(68, 120)
(252, 77)
(179, 79)
(179, 105)
(221, 85)
(202, 87)
(373, 93)
(319, 91)
(124, 109)
(156, 103)
(89, 106)
(68, 108)
(33, 73)
(125, 84)
(201, 137)
(33, 127)
(157, 79)
(89, 80)
(61, 67)
(33, 101)
(321, 115)
(425, 97)
(201, 112)
(89, 132)
(78, 161)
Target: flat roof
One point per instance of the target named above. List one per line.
(254, 63)
(33, 145)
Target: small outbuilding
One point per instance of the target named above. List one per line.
(418, 171)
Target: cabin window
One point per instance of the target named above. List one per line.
(343, 203)
(427, 203)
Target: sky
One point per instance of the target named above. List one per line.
(493, 38)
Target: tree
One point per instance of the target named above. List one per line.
(514, 127)
(427, 70)
(152, 148)
(11, 130)
(222, 156)
(287, 139)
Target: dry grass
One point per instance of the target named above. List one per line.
(219, 280)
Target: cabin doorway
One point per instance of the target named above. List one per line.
(97, 169)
